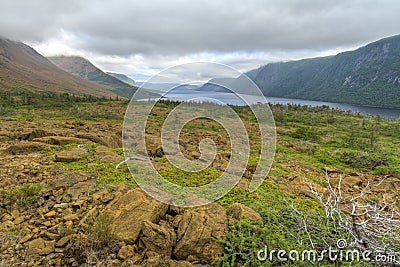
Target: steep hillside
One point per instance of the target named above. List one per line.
(23, 69)
(83, 68)
(369, 75)
(122, 78)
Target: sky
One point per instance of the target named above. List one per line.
(140, 38)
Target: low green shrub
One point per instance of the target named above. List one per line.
(98, 243)
(26, 194)
(362, 159)
(281, 229)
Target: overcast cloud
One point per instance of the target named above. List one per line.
(142, 37)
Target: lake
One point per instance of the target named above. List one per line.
(232, 99)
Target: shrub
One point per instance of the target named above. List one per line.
(98, 243)
(306, 134)
(362, 159)
(101, 233)
(281, 229)
(26, 194)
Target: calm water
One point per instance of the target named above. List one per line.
(232, 99)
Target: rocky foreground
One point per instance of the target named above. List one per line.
(53, 217)
(63, 204)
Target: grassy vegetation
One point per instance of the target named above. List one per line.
(98, 243)
(329, 137)
(26, 194)
(27, 105)
(105, 172)
(309, 137)
(308, 140)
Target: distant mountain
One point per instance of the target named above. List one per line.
(83, 68)
(158, 87)
(23, 69)
(228, 85)
(122, 78)
(186, 87)
(218, 85)
(369, 75)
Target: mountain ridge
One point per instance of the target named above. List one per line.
(83, 68)
(123, 78)
(22, 68)
(369, 75)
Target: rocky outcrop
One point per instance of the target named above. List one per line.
(126, 252)
(70, 155)
(112, 140)
(32, 134)
(25, 147)
(40, 247)
(158, 238)
(104, 154)
(60, 140)
(352, 181)
(75, 219)
(196, 231)
(330, 170)
(239, 211)
(131, 210)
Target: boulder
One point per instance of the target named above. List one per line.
(239, 211)
(69, 180)
(103, 196)
(104, 154)
(112, 140)
(37, 133)
(63, 241)
(25, 147)
(158, 238)
(19, 220)
(80, 189)
(126, 252)
(129, 212)
(40, 247)
(304, 190)
(50, 214)
(153, 146)
(152, 262)
(70, 155)
(196, 231)
(26, 238)
(172, 263)
(60, 140)
(352, 181)
(330, 170)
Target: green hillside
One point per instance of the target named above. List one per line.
(85, 69)
(122, 78)
(369, 75)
